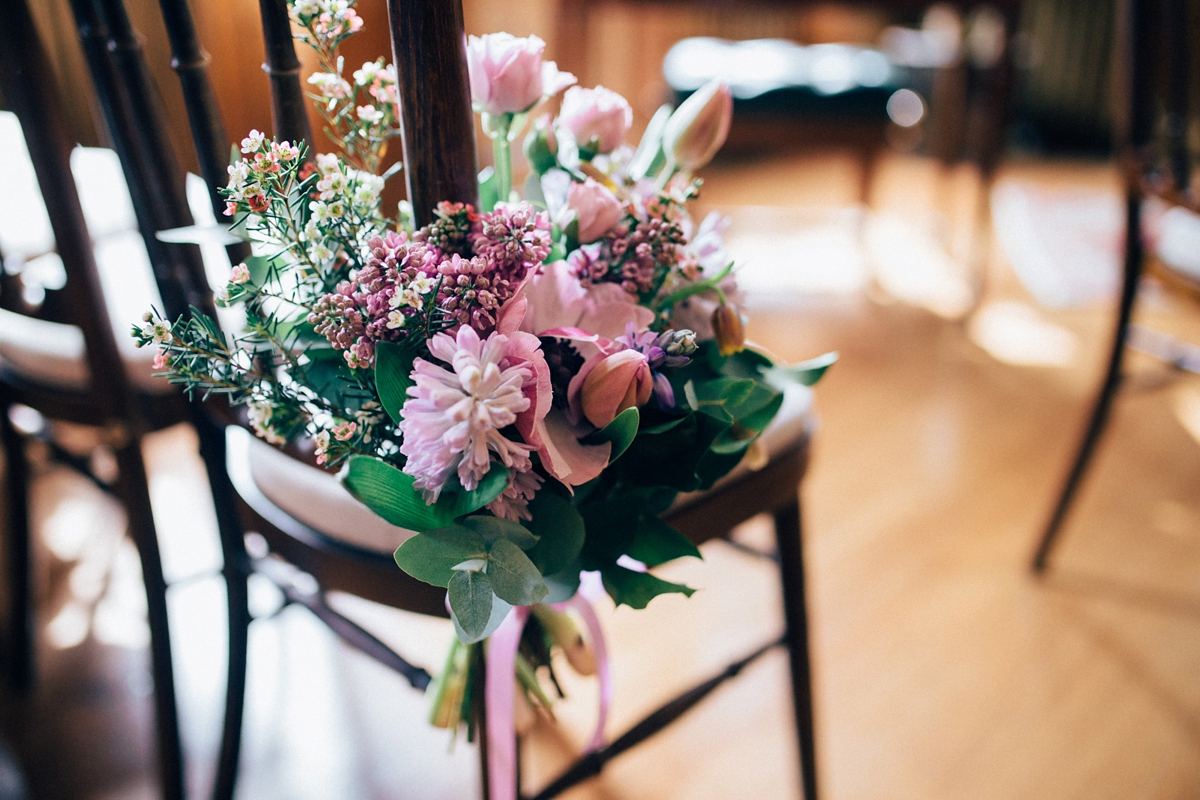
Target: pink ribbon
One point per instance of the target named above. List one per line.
(498, 690)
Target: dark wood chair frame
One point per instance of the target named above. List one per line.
(338, 566)
(110, 403)
(1153, 38)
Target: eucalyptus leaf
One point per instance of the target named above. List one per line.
(389, 493)
(513, 576)
(393, 369)
(470, 596)
(559, 530)
(637, 589)
(806, 373)
(500, 611)
(493, 528)
(432, 556)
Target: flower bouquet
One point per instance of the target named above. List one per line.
(527, 384)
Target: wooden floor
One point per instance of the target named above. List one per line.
(943, 669)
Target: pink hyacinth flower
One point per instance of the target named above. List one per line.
(453, 417)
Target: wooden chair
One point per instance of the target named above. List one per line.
(308, 520)
(79, 375)
(1158, 85)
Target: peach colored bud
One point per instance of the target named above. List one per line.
(728, 330)
(620, 381)
(697, 129)
(596, 209)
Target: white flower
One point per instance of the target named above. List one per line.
(395, 319)
(330, 84)
(306, 8)
(253, 141)
(259, 413)
(320, 211)
(157, 332)
(241, 360)
(370, 115)
(422, 284)
(320, 253)
(368, 72)
(327, 162)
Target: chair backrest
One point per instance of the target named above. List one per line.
(31, 92)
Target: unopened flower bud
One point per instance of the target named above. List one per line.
(728, 330)
(697, 129)
(677, 342)
(541, 146)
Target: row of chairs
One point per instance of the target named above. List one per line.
(67, 363)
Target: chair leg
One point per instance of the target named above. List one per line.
(795, 609)
(20, 628)
(1112, 380)
(235, 571)
(135, 495)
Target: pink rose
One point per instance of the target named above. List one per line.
(596, 209)
(599, 114)
(508, 75)
(609, 384)
(697, 129)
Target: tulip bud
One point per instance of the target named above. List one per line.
(541, 146)
(728, 330)
(697, 129)
(618, 381)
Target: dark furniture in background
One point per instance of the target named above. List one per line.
(1156, 97)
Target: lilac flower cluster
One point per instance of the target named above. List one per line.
(458, 270)
(638, 257)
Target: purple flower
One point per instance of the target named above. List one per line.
(672, 348)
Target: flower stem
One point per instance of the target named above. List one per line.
(503, 165)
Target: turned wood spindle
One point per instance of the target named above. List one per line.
(437, 126)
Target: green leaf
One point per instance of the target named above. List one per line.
(560, 532)
(806, 373)
(621, 432)
(500, 610)
(562, 585)
(393, 367)
(649, 156)
(493, 528)
(470, 595)
(637, 589)
(656, 542)
(389, 493)
(456, 501)
(432, 556)
(513, 576)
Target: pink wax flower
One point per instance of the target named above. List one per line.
(596, 208)
(161, 360)
(345, 431)
(453, 417)
(508, 75)
(240, 274)
(610, 384)
(599, 114)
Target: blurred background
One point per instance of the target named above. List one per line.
(934, 191)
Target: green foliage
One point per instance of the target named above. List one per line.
(393, 368)
(470, 595)
(389, 493)
(621, 432)
(637, 589)
(805, 373)
(559, 530)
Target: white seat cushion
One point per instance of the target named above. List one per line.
(316, 498)
(53, 354)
